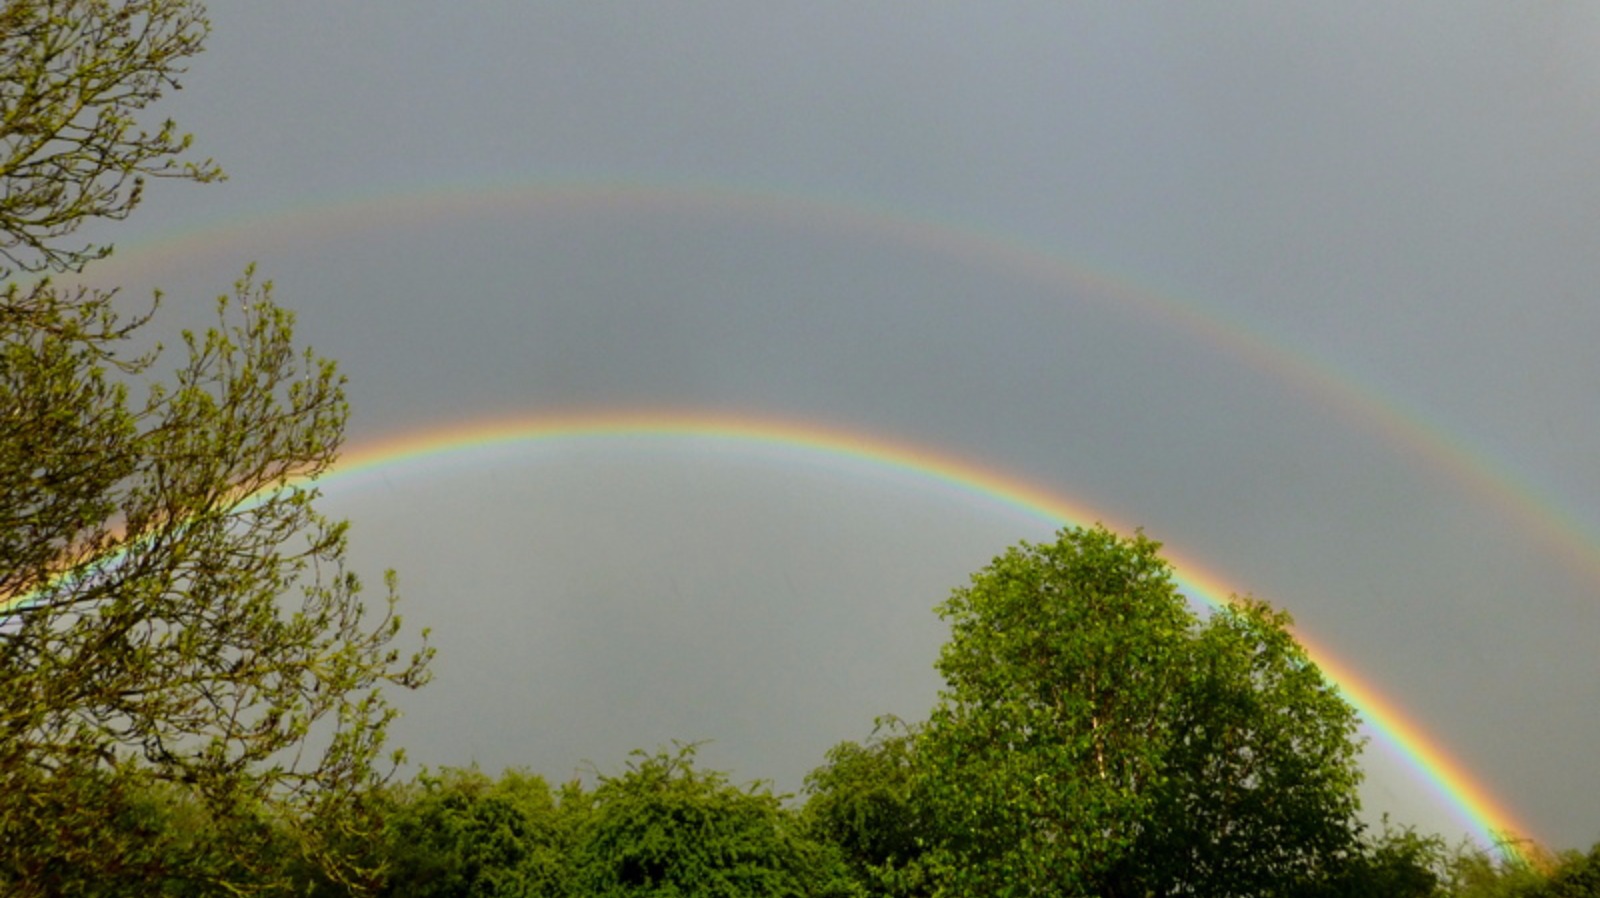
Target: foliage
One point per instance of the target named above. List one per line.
(160, 632)
(77, 75)
(664, 828)
(116, 834)
(1528, 872)
(1097, 738)
(462, 835)
(1575, 875)
(1398, 863)
(864, 801)
(1259, 778)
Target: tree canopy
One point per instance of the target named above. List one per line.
(865, 799)
(1097, 737)
(459, 834)
(667, 828)
(175, 610)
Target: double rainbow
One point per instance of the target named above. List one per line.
(1362, 407)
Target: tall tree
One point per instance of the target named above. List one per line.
(173, 609)
(1096, 737)
(1259, 777)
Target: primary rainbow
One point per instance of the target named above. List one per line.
(1472, 802)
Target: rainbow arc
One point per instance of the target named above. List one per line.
(1471, 800)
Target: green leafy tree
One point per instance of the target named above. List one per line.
(1575, 875)
(1097, 738)
(1258, 775)
(1475, 873)
(864, 800)
(144, 839)
(459, 834)
(665, 828)
(154, 616)
(156, 627)
(1528, 872)
(1396, 863)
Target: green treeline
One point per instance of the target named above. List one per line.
(666, 828)
(1095, 737)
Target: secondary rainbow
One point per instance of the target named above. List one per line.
(313, 220)
(1470, 800)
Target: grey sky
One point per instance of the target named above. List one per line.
(1400, 196)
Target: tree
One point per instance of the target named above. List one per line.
(77, 73)
(664, 828)
(459, 834)
(1398, 863)
(1575, 875)
(1096, 737)
(1530, 871)
(173, 609)
(162, 841)
(1260, 775)
(864, 801)
(161, 626)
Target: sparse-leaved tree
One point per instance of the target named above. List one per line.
(175, 616)
(78, 76)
